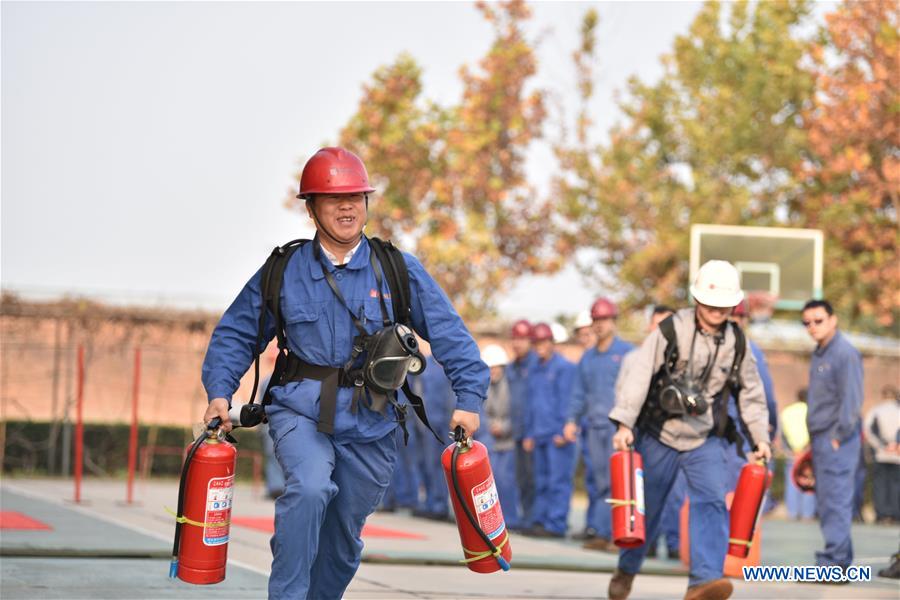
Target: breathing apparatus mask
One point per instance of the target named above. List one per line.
(685, 394)
(392, 353)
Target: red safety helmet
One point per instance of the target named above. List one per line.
(541, 332)
(521, 329)
(603, 308)
(742, 309)
(334, 171)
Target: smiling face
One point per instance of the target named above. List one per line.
(712, 317)
(340, 219)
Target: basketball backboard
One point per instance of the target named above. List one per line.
(781, 261)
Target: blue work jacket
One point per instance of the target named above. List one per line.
(517, 376)
(835, 389)
(594, 388)
(319, 331)
(437, 395)
(549, 390)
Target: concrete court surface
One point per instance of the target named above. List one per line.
(103, 548)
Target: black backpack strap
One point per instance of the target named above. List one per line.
(724, 425)
(271, 279)
(397, 275)
(667, 328)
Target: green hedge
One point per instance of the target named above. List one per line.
(27, 443)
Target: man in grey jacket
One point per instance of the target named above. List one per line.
(673, 410)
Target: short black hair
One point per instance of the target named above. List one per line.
(817, 304)
(662, 308)
(802, 394)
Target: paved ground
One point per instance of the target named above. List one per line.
(103, 548)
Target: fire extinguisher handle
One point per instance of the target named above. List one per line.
(459, 434)
(214, 423)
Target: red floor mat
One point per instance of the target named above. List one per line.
(267, 524)
(10, 519)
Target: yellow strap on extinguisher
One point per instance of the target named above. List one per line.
(747, 543)
(617, 502)
(479, 555)
(195, 523)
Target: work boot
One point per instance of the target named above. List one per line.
(717, 589)
(620, 585)
(601, 544)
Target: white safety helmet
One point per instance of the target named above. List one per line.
(718, 284)
(583, 319)
(494, 356)
(560, 335)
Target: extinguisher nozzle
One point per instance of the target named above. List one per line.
(173, 569)
(503, 563)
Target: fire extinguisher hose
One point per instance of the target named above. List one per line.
(459, 437)
(179, 517)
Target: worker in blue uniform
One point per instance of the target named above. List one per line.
(672, 409)
(437, 393)
(593, 396)
(337, 464)
(523, 359)
(497, 420)
(833, 419)
(587, 339)
(549, 391)
(741, 316)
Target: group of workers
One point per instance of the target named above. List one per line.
(690, 396)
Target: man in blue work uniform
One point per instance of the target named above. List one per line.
(436, 392)
(517, 372)
(833, 419)
(549, 390)
(741, 316)
(336, 465)
(498, 422)
(593, 396)
(679, 412)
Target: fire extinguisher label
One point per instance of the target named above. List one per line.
(218, 510)
(487, 508)
(639, 490)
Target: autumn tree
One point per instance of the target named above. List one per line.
(853, 171)
(716, 140)
(451, 178)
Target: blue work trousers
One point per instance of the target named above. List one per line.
(503, 463)
(554, 469)
(670, 521)
(599, 449)
(835, 472)
(591, 518)
(330, 489)
(525, 481)
(799, 504)
(703, 469)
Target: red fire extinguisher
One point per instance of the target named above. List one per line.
(479, 518)
(746, 507)
(626, 472)
(802, 474)
(205, 494)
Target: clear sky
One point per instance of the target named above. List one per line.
(147, 147)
